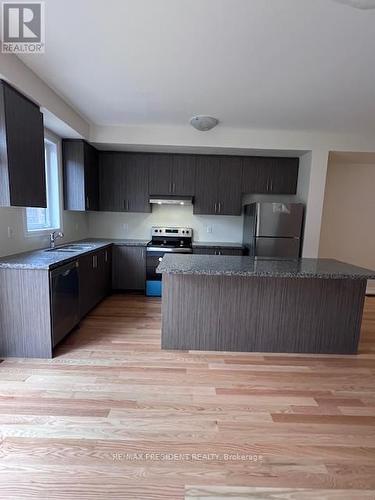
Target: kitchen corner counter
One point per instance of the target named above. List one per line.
(46, 260)
(260, 267)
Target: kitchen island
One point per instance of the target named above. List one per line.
(221, 303)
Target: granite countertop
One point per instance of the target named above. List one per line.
(43, 259)
(119, 241)
(261, 267)
(216, 244)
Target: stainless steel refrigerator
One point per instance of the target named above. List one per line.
(273, 229)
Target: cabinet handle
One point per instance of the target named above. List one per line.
(106, 256)
(87, 202)
(215, 209)
(170, 187)
(271, 184)
(219, 206)
(94, 261)
(174, 187)
(124, 204)
(127, 205)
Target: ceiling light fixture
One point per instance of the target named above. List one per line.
(359, 4)
(203, 122)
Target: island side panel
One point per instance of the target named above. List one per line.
(261, 314)
(25, 319)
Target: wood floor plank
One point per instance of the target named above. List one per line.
(240, 493)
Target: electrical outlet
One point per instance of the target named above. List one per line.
(209, 229)
(10, 232)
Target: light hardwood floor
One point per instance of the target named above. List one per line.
(85, 424)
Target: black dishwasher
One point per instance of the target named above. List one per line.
(64, 300)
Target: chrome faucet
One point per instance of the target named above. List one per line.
(53, 237)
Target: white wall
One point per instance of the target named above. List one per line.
(348, 229)
(74, 225)
(111, 225)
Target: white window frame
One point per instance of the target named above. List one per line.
(50, 138)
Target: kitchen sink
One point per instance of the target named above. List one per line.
(71, 248)
(67, 250)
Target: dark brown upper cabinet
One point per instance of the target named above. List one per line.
(172, 174)
(111, 182)
(22, 166)
(124, 182)
(81, 175)
(218, 185)
(270, 175)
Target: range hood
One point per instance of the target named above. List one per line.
(171, 200)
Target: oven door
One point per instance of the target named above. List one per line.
(153, 259)
(154, 255)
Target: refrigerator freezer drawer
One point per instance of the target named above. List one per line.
(288, 248)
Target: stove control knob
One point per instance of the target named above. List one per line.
(160, 259)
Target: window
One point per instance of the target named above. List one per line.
(43, 219)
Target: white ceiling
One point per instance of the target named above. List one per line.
(289, 64)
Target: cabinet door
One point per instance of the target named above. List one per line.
(111, 182)
(270, 175)
(160, 174)
(256, 174)
(74, 175)
(206, 185)
(107, 271)
(81, 178)
(136, 183)
(103, 270)
(230, 185)
(24, 184)
(86, 284)
(129, 268)
(183, 175)
(91, 178)
(284, 176)
(94, 272)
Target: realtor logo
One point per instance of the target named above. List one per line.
(23, 27)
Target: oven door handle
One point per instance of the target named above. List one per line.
(169, 250)
(158, 249)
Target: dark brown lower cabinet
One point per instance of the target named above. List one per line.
(129, 268)
(218, 251)
(38, 308)
(94, 279)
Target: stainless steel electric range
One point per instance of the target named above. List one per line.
(164, 240)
